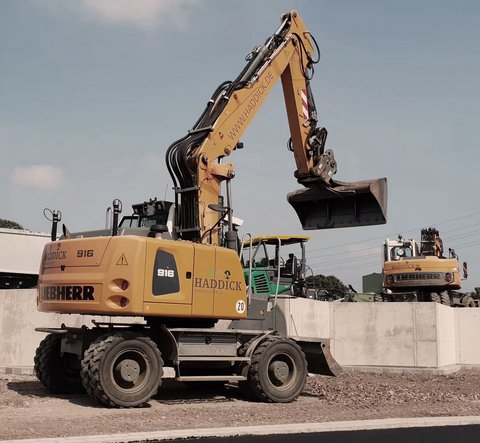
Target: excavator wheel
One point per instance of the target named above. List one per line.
(59, 373)
(388, 298)
(445, 298)
(469, 302)
(278, 371)
(378, 297)
(122, 370)
(244, 385)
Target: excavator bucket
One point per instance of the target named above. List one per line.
(341, 204)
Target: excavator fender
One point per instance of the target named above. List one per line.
(340, 204)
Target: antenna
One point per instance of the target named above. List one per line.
(166, 189)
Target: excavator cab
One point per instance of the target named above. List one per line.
(340, 204)
(275, 264)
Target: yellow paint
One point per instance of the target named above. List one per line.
(122, 261)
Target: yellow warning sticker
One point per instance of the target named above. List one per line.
(122, 261)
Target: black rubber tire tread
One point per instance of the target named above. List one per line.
(260, 388)
(243, 385)
(445, 298)
(378, 297)
(469, 302)
(435, 297)
(92, 367)
(388, 298)
(49, 368)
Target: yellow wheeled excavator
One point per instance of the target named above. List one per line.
(174, 267)
(413, 273)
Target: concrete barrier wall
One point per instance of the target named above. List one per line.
(369, 334)
(421, 335)
(400, 335)
(446, 334)
(467, 336)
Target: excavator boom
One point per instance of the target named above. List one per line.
(196, 162)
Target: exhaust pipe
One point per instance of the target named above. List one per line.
(340, 204)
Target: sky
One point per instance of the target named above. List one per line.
(92, 93)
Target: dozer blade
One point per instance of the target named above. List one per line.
(320, 359)
(341, 204)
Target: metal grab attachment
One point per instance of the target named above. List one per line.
(340, 204)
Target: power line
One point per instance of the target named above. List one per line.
(367, 248)
(348, 259)
(393, 235)
(352, 256)
(322, 269)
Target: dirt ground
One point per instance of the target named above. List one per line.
(28, 410)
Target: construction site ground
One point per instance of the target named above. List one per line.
(29, 410)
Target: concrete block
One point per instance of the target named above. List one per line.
(426, 354)
(446, 335)
(425, 321)
(305, 317)
(373, 334)
(468, 336)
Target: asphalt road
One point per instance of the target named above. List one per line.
(442, 434)
(411, 430)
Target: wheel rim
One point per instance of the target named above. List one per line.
(282, 371)
(130, 370)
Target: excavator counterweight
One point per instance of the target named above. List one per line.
(340, 204)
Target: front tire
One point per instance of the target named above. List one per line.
(59, 373)
(469, 302)
(278, 371)
(124, 369)
(445, 298)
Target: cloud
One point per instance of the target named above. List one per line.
(144, 14)
(44, 177)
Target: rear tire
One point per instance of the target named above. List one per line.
(278, 371)
(389, 298)
(59, 373)
(469, 302)
(124, 369)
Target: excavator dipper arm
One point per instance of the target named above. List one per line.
(196, 162)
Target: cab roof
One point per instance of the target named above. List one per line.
(273, 239)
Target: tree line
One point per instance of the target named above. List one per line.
(8, 224)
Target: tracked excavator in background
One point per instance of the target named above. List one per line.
(173, 268)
